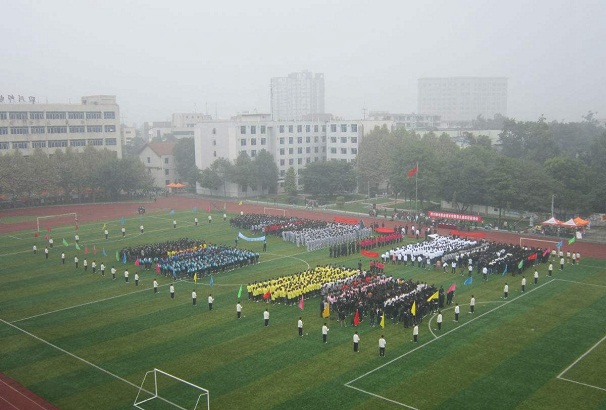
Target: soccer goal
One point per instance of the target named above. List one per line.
(274, 211)
(53, 221)
(538, 243)
(160, 390)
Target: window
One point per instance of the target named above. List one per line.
(316, 150)
(263, 141)
(316, 128)
(300, 150)
(20, 145)
(36, 115)
(333, 150)
(38, 144)
(37, 130)
(54, 115)
(148, 160)
(307, 160)
(343, 140)
(215, 143)
(17, 115)
(354, 127)
(333, 127)
(110, 141)
(281, 140)
(308, 150)
(215, 154)
(308, 139)
(323, 138)
(253, 129)
(290, 140)
(324, 150)
(214, 131)
(281, 151)
(281, 129)
(299, 161)
(166, 182)
(72, 115)
(243, 129)
(323, 128)
(110, 128)
(333, 140)
(3, 130)
(354, 151)
(299, 128)
(253, 141)
(290, 128)
(354, 140)
(299, 140)
(3, 116)
(19, 130)
(97, 142)
(290, 151)
(343, 127)
(262, 129)
(315, 159)
(77, 143)
(344, 151)
(76, 129)
(243, 142)
(93, 115)
(4, 145)
(109, 115)
(166, 160)
(282, 162)
(291, 161)
(57, 144)
(316, 138)
(166, 172)
(308, 128)
(94, 128)
(253, 152)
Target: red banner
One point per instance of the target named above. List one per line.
(369, 254)
(458, 217)
(350, 221)
(478, 235)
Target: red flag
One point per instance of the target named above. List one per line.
(546, 252)
(94, 249)
(452, 288)
(357, 318)
(137, 263)
(267, 295)
(46, 237)
(412, 172)
(369, 254)
(208, 209)
(532, 257)
(48, 228)
(85, 250)
(158, 270)
(36, 234)
(301, 303)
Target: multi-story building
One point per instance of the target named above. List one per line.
(128, 134)
(159, 161)
(297, 95)
(291, 143)
(462, 99)
(95, 121)
(410, 121)
(188, 119)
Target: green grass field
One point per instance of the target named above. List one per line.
(83, 341)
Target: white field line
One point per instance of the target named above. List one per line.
(21, 394)
(450, 308)
(559, 376)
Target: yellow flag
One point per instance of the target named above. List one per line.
(196, 277)
(104, 226)
(383, 320)
(326, 312)
(240, 203)
(413, 308)
(432, 297)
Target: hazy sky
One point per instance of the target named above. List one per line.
(160, 57)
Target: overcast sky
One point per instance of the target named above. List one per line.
(160, 57)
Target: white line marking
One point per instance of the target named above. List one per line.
(27, 397)
(581, 357)
(582, 384)
(384, 398)
(580, 283)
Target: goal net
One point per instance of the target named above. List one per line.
(54, 221)
(539, 243)
(274, 211)
(161, 390)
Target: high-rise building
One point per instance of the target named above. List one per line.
(96, 122)
(297, 95)
(462, 99)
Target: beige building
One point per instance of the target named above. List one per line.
(95, 121)
(159, 161)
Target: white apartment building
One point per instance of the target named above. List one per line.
(410, 121)
(297, 95)
(159, 161)
(462, 99)
(188, 119)
(95, 121)
(291, 143)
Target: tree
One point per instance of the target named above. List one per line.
(328, 178)
(371, 167)
(573, 179)
(266, 171)
(290, 182)
(243, 172)
(185, 160)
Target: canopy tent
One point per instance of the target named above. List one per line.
(552, 222)
(569, 224)
(580, 221)
(384, 230)
(175, 185)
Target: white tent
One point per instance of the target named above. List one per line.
(569, 223)
(552, 222)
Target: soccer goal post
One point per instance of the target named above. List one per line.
(50, 221)
(274, 211)
(161, 390)
(538, 243)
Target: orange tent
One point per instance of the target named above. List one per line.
(580, 221)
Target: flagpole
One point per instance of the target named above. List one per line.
(416, 186)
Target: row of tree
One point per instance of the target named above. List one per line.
(66, 175)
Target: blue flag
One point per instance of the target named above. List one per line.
(172, 212)
(103, 252)
(559, 245)
(195, 209)
(505, 271)
(468, 281)
(122, 221)
(211, 281)
(124, 258)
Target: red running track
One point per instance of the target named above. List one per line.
(14, 396)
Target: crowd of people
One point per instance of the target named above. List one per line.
(330, 234)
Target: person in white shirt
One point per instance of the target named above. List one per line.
(523, 284)
(550, 269)
(505, 291)
(123, 231)
(93, 266)
(325, 330)
(238, 310)
(63, 258)
(102, 267)
(300, 326)
(457, 310)
(174, 223)
(415, 334)
(106, 233)
(472, 304)
(76, 261)
(126, 276)
(35, 249)
(194, 297)
(113, 271)
(356, 342)
(210, 218)
(171, 289)
(536, 276)
(266, 317)
(85, 264)
(141, 229)
(196, 221)
(136, 279)
(155, 286)
(562, 263)
(382, 344)
(210, 301)
(439, 320)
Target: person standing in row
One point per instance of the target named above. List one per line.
(562, 263)
(93, 266)
(472, 304)
(196, 221)
(63, 258)
(102, 267)
(113, 271)
(266, 317)
(76, 261)
(106, 233)
(85, 264)
(45, 252)
(123, 231)
(238, 310)
(155, 284)
(126, 275)
(35, 249)
(356, 342)
(300, 326)
(536, 277)
(325, 330)
(171, 289)
(505, 291)
(174, 224)
(210, 301)
(224, 217)
(523, 284)
(194, 297)
(415, 333)
(439, 320)
(210, 218)
(136, 278)
(141, 229)
(457, 310)
(550, 269)
(382, 344)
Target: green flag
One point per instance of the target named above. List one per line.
(77, 247)
(240, 292)
(521, 264)
(572, 240)
(65, 242)
(117, 256)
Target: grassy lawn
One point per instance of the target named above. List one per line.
(85, 341)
